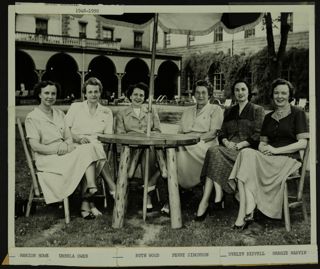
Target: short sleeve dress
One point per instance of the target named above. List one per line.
(59, 175)
(83, 124)
(264, 176)
(190, 158)
(219, 160)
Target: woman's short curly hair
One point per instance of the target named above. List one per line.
(281, 81)
(42, 84)
(91, 81)
(204, 83)
(141, 86)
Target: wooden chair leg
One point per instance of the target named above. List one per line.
(145, 169)
(29, 204)
(105, 203)
(135, 156)
(304, 210)
(66, 210)
(286, 208)
(162, 163)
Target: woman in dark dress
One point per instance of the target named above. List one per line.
(261, 174)
(240, 129)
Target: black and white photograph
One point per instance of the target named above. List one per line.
(162, 135)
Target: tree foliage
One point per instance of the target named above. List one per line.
(254, 68)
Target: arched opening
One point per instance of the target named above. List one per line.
(166, 82)
(62, 68)
(136, 71)
(26, 76)
(104, 69)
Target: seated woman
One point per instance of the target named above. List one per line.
(260, 174)
(203, 120)
(86, 120)
(133, 119)
(61, 164)
(240, 129)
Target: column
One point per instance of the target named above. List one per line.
(40, 74)
(179, 84)
(119, 76)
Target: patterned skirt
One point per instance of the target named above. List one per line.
(218, 164)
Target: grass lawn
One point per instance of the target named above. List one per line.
(46, 227)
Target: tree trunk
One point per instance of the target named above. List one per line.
(275, 59)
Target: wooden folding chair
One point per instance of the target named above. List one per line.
(35, 194)
(296, 200)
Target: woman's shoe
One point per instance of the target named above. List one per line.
(219, 205)
(242, 227)
(95, 211)
(87, 215)
(165, 210)
(203, 216)
(85, 210)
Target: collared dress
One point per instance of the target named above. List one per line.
(264, 176)
(190, 158)
(128, 122)
(59, 175)
(219, 160)
(83, 124)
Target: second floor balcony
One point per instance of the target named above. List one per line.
(68, 40)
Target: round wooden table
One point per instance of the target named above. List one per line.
(167, 142)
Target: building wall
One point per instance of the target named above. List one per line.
(247, 46)
(27, 23)
(300, 24)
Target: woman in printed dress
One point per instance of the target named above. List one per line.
(86, 120)
(260, 174)
(240, 129)
(60, 163)
(203, 120)
(133, 119)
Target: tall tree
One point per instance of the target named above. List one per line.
(275, 59)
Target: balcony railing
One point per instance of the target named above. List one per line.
(68, 40)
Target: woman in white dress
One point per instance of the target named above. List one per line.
(86, 120)
(60, 163)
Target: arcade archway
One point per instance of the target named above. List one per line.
(62, 68)
(166, 82)
(104, 69)
(136, 71)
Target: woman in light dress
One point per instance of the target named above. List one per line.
(260, 174)
(240, 129)
(86, 120)
(60, 163)
(133, 119)
(203, 120)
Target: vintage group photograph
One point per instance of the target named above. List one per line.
(174, 128)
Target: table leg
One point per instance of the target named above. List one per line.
(122, 189)
(173, 188)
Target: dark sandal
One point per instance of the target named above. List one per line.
(87, 215)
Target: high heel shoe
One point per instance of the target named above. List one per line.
(219, 205)
(202, 217)
(244, 226)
